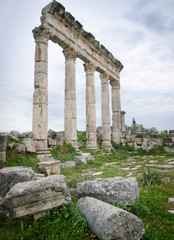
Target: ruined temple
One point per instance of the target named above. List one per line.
(63, 29)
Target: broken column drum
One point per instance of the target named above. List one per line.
(61, 27)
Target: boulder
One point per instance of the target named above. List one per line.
(15, 133)
(117, 189)
(10, 176)
(109, 222)
(80, 159)
(88, 156)
(30, 145)
(59, 138)
(169, 150)
(20, 148)
(51, 133)
(68, 164)
(37, 196)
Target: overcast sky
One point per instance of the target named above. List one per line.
(139, 33)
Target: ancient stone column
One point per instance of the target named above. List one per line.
(106, 128)
(3, 143)
(40, 96)
(70, 124)
(116, 109)
(122, 121)
(90, 107)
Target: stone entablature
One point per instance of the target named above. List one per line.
(61, 27)
(66, 31)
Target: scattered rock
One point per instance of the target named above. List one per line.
(15, 133)
(11, 175)
(68, 164)
(51, 133)
(80, 159)
(117, 189)
(169, 150)
(171, 211)
(109, 222)
(37, 196)
(171, 200)
(165, 166)
(30, 145)
(20, 148)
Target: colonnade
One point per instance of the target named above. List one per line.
(40, 99)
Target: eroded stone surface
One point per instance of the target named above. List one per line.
(10, 176)
(117, 189)
(109, 222)
(36, 196)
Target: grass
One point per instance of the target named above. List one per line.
(66, 222)
(20, 159)
(64, 153)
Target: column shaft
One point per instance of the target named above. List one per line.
(70, 124)
(105, 104)
(40, 95)
(90, 107)
(116, 109)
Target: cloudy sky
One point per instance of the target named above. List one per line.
(140, 33)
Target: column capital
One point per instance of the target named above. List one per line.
(89, 68)
(115, 84)
(41, 34)
(104, 77)
(123, 112)
(70, 53)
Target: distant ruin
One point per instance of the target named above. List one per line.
(61, 27)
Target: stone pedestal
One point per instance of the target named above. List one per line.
(3, 143)
(116, 109)
(40, 96)
(106, 128)
(49, 167)
(70, 124)
(90, 107)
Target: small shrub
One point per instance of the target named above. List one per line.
(151, 177)
(81, 137)
(64, 153)
(141, 135)
(117, 146)
(163, 135)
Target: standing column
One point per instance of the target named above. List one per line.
(70, 97)
(106, 128)
(116, 108)
(90, 107)
(123, 121)
(40, 96)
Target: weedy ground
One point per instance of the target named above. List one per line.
(156, 185)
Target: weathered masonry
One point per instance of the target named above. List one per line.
(61, 27)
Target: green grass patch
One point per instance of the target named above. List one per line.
(20, 159)
(64, 153)
(64, 223)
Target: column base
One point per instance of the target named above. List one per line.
(91, 145)
(107, 146)
(41, 144)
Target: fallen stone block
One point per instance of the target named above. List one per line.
(37, 196)
(117, 189)
(80, 159)
(51, 133)
(109, 222)
(68, 164)
(10, 176)
(20, 148)
(30, 145)
(169, 150)
(49, 167)
(52, 142)
(88, 156)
